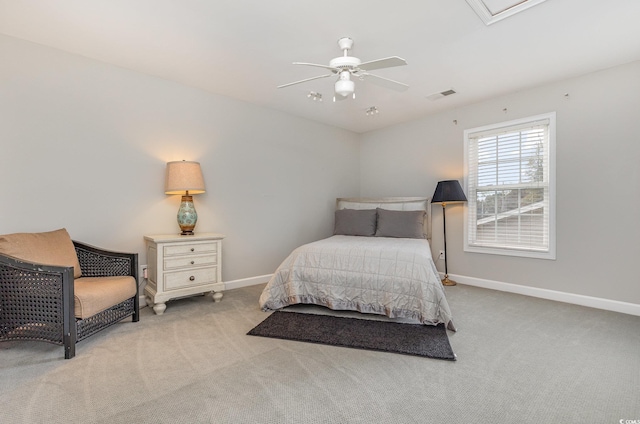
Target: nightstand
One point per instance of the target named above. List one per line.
(179, 266)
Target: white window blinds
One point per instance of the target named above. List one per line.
(510, 188)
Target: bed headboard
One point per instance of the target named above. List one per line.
(391, 203)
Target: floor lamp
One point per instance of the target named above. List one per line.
(447, 192)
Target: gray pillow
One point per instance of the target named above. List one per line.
(406, 224)
(355, 222)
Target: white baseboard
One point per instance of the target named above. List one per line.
(576, 299)
(228, 285)
(558, 296)
(142, 301)
(245, 282)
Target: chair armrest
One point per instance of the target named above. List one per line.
(96, 262)
(35, 293)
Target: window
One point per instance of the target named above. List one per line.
(510, 182)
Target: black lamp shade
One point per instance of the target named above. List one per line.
(448, 191)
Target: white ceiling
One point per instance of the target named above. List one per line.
(244, 49)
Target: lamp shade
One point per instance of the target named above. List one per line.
(183, 176)
(448, 191)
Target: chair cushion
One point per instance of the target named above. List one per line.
(95, 294)
(50, 248)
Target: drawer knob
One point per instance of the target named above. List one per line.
(192, 278)
(192, 262)
(192, 249)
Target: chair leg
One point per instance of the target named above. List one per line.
(69, 346)
(136, 309)
(69, 325)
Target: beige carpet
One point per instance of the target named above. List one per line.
(520, 360)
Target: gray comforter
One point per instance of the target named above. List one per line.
(395, 277)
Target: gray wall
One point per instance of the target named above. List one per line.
(598, 182)
(84, 145)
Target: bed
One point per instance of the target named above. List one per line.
(377, 262)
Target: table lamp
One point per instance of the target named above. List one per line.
(185, 177)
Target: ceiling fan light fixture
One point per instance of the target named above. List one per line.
(344, 86)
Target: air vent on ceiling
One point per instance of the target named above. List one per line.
(441, 94)
(492, 11)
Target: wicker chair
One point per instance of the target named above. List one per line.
(37, 301)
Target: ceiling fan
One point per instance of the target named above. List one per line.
(345, 67)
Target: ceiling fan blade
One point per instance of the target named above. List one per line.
(384, 82)
(331, 68)
(387, 62)
(305, 80)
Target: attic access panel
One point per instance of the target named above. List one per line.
(492, 11)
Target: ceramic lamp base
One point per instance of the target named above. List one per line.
(187, 216)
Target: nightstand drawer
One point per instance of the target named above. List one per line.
(190, 249)
(189, 261)
(196, 277)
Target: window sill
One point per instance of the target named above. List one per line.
(549, 255)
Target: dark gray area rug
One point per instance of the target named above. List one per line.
(410, 339)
